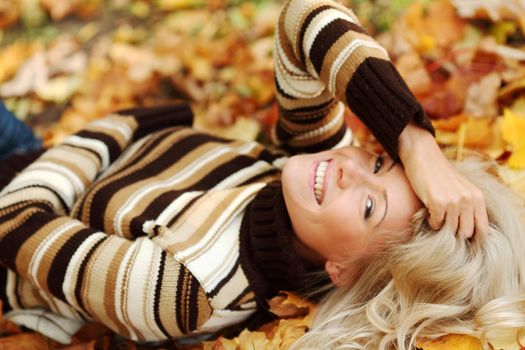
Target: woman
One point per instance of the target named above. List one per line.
(436, 284)
(159, 231)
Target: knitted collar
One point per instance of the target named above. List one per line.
(266, 252)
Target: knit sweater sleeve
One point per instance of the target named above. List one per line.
(129, 285)
(324, 59)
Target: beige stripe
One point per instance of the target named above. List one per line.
(29, 295)
(71, 150)
(302, 102)
(124, 289)
(44, 264)
(25, 254)
(115, 135)
(296, 128)
(119, 248)
(341, 43)
(204, 308)
(168, 296)
(128, 192)
(348, 69)
(67, 163)
(94, 289)
(86, 162)
(148, 158)
(212, 206)
(318, 138)
(149, 291)
(285, 44)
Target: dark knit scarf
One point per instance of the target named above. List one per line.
(266, 253)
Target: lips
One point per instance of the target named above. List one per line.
(320, 180)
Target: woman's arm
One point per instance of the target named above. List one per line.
(131, 286)
(325, 58)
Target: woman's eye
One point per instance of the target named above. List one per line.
(378, 164)
(369, 207)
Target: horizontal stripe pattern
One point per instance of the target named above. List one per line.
(323, 59)
(142, 236)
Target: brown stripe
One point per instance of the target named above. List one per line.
(304, 26)
(352, 64)
(67, 161)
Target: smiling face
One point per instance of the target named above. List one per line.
(343, 203)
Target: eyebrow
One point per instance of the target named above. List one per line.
(385, 196)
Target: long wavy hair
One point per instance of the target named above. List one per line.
(434, 284)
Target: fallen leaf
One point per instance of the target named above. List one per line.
(286, 305)
(221, 344)
(513, 129)
(27, 341)
(481, 100)
(451, 341)
(253, 341)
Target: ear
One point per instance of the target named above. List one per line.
(340, 274)
(335, 271)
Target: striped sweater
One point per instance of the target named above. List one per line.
(157, 230)
(324, 60)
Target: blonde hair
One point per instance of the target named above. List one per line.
(434, 284)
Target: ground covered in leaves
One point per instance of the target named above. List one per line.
(64, 63)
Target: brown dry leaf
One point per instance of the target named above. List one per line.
(412, 69)
(481, 100)
(512, 90)
(27, 341)
(9, 13)
(443, 24)
(287, 305)
(494, 9)
(58, 9)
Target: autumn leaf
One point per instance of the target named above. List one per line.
(513, 129)
(27, 341)
(451, 341)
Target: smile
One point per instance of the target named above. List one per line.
(320, 180)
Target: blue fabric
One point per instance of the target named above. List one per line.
(15, 136)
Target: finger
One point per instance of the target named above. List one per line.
(436, 218)
(452, 220)
(466, 223)
(481, 219)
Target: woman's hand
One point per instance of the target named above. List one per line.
(449, 197)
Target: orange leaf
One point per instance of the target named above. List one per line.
(26, 341)
(286, 305)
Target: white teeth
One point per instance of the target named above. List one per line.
(319, 180)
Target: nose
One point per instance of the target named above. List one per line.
(350, 172)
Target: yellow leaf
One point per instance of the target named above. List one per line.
(513, 128)
(253, 341)
(451, 341)
(517, 159)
